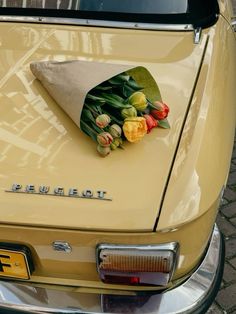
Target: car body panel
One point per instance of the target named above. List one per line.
(41, 145)
(78, 268)
(202, 163)
(226, 9)
(191, 296)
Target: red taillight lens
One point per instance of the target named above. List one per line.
(125, 280)
(133, 265)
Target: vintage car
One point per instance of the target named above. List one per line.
(133, 232)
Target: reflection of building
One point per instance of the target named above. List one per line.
(57, 4)
(28, 124)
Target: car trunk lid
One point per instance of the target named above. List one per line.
(41, 146)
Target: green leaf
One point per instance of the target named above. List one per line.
(113, 118)
(95, 98)
(133, 84)
(119, 79)
(102, 88)
(163, 124)
(92, 108)
(127, 90)
(98, 109)
(96, 128)
(88, 130)
(116, 97)
(113, 101)
(87, 115)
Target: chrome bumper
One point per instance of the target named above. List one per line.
(193, 296)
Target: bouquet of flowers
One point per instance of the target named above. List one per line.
(109, 102)
(118, 110)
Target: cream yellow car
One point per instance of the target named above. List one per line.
(133, 232)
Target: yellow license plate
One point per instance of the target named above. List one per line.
(13, 264)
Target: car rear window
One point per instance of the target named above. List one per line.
(198, 13)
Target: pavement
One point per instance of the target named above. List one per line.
(234, 6)
(225, 301)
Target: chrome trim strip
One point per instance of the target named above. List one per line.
(99, 23)
(171, 246)
(185, 298)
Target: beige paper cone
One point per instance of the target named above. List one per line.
(69, 82)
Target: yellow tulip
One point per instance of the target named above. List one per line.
(134, 129)
(129, 112)
(138, 100)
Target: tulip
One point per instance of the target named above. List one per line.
(104, 139)
(151, 122)
(115, 130)
(138, 100)
(103, 120)
(129, 112)
(116, 143)
(134, 128)
(113, 146)
(103, 150)
(161, 112)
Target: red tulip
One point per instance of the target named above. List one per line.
(161, 112)
(150, 121)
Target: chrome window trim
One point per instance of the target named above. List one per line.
(99, 23)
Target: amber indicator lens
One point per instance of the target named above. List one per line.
(137, 265)
(136, 261)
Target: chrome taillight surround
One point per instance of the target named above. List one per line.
(137, 264)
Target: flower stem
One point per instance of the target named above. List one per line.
(113, 118)
(150, 104)
(93, 111)
(88, 130)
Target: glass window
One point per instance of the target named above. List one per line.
(201, 13)
(135, 6)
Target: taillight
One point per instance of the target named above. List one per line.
(137, 265)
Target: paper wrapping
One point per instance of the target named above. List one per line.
(69, 82)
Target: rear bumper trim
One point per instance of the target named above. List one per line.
(193, 296)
